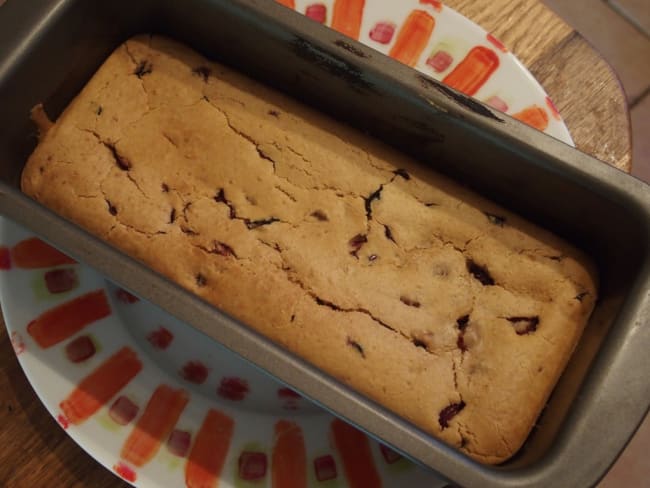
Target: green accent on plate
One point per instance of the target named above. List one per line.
(457, 48)
(251, 447)
(335, 483)
(398, 467)
(96, 343)
(173, 463)
(41, 293)
(106, 422)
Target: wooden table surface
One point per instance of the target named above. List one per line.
(35, 452)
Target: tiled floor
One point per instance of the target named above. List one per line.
(620, 31)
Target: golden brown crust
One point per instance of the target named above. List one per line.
(447, 309)
(41, 119)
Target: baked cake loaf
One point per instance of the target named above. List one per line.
(445, 308)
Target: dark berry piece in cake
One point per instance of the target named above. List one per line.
(480, 273)
(462, 324)
(403, 173)
(356, 243)
(112, 209)
(319, 215)
(203, 72)
(419, 343)
(200, 280)
(143, 68)
(524, 325)
(223, 249)
(449, 412)
(495, 219)
(220, 196)
(254, 224)
(581, 296)
(409, 301)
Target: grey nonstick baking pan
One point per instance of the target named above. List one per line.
(50, 48)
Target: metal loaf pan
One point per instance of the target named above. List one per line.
(50, 48)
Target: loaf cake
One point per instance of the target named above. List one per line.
(447, 309)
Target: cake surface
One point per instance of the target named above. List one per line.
(445, 308)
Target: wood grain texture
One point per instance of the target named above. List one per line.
(582, 85)
(526, 27)
(589, 97)
(36, 452)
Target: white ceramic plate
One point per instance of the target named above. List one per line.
(161, 405)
